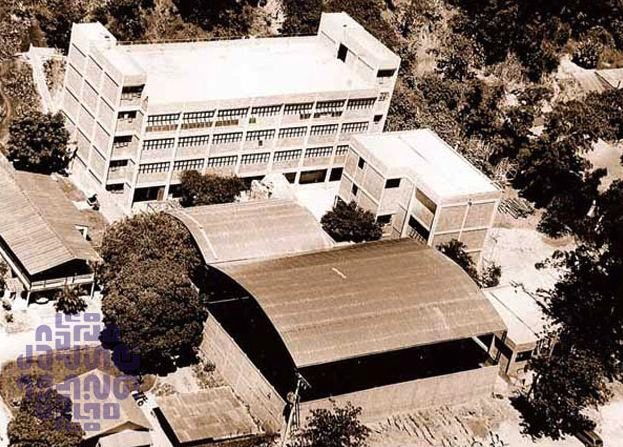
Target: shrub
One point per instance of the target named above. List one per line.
(69, 302)
(349, 222)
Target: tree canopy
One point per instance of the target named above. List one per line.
(333, 427)
(69, 301)
(209, 189)
(349, 222)
(43, 419)
(456, 250)
(38, 142)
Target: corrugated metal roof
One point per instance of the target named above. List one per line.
(127, 438)
(613, 77)
(212, 414)
(251, 230)
(364, 299)
(37, 222)
(98, 387)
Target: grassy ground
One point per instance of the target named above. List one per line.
(66, 364)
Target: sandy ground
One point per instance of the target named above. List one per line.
(317, 197)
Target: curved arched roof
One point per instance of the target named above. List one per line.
(366, 299)
(252, 230)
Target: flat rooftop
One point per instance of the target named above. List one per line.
(228, 69)
(434, 162)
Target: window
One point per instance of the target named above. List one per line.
(425, 200)
(251, 159)
(383, 96)
(231, 114)
(314, 152)
(523, 356)
(287, 155)
(300, 108)
(115, 165)
(336, 174)
(196, 140)
(316, 176)
(330, 106)
(216, 162)
(361, 163)
(385, 219)
(378, 118)
(151, 168)
(392, 183)
(385, 73)
(130, 92)
(355, 127)
(161, 120)
(256, 135)
(224, 138)
(360, 103)
(266, 110)
(188, 165)
(325, 129)
(122, 141)
(341, 150)
(354, 189)
(127, 116)
(292, 132)
(197, 119)
(163, 143)
(342, 52)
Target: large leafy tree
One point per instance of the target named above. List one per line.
(333, 427)
(457, 251)
(219, 17)
(38, 142)
(69, 301)
(208, 189)
(349, 222)
(301, 16)
(43, 419)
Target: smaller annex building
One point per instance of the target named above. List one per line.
(242, 231)
(391, 326)
(418, 186)
(42, 235)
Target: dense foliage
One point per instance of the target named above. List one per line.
(347, 222)
(209, 189)
(456, 250)
(148, 295)
(333, 427)
(69, 301)
(38, 142)
(43, 419)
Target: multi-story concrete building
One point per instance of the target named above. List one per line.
(419, 187)
(143, 113)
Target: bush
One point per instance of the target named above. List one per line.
(69, 302)
(347, 222)
(209, 189)
(587, 54)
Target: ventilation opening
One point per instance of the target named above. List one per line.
(342, 52)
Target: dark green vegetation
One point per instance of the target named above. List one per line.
(148, 295)
(347, 222)
(208, 189)
(334, 427)
(69, 301)
(455, 250)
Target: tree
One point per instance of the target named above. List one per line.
(459, 57)
(55, 17)
(349, 222)
(158, 313)
(334, 427)
(142, 239)
(125, 19)
(69, 301)
(208, 189)
(4, 269)
(456, 250)
(218, 17)
(301, 16)
(38, 142)
(44, 420)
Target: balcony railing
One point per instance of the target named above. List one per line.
(57, 283)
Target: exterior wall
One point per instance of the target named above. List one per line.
(93, 94)
(242, 375)
(450, 389)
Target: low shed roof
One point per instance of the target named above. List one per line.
(38, 222)
(213, 414)
(364, 299)
(252, 230)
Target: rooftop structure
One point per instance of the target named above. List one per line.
(210, 415)
(42, 233)
(252, 230)
(97, 387)
(128, 438)
(141, 113)
(419, 186)
(328, 314)
(612, 77)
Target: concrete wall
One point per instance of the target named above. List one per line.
(240, 373)
(450, 389)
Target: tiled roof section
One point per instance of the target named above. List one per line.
(252, 230)
(365, 299)
(37, 222)
(98, 387)
(213, 414)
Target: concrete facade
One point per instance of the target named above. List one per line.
(140, 114)
(418, 186)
